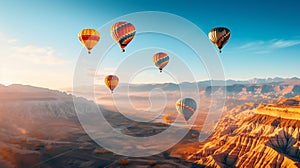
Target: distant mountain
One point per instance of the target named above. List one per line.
(267, 80)
(270, 87)
(271, 90)
(24, 101)
(208, 83)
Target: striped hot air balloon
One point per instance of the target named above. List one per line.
(187, 107)
(161, 60)
(89, 38)
(122, 33)
(219, 36)
(111, 81)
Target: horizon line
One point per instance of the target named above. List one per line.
(158, 83)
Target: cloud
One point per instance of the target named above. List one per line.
(251, 44)
(32, 53)
(12, 40)
(101, 74)
(32, 64)
(51, 60)
(4, 38)
(263, 47)
(262, 52)
(285, 43)
(38, 55)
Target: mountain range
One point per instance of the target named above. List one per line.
(260, 127)
(266, 85)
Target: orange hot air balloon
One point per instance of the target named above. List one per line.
(122, 33)
(89, 38)
(111, 81)
(168, 119)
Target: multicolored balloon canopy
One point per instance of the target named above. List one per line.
(122, 33)
(161, 60)
(187, 107)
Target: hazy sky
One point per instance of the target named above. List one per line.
(39, 44)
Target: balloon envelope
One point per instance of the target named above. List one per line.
(89, 38)
(219, 36)
(161, 60)
(168, 119)
(122, 33)
(187, 107)
(111, 81)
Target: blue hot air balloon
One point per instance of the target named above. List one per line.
(187, 107)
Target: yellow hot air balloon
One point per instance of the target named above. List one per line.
(89, 38)
(219, 36)
(111, 81)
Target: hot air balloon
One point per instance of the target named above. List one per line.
(111, 81)
(187, 107)
(161, 60)
(122, 33)
(168, 119)
(219, 36)
(89, 38)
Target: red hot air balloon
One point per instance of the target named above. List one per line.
(122, 33)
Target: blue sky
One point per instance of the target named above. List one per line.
(39, 44)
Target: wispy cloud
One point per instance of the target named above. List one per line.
(12, 40)
(262, 52)
(251, 44)
(285, 43)
(37, 55)
(32, 64)
(4, 38)
(263, 47)
(33, 53)
(100, 74)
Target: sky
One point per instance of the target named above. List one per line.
(39, 44)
